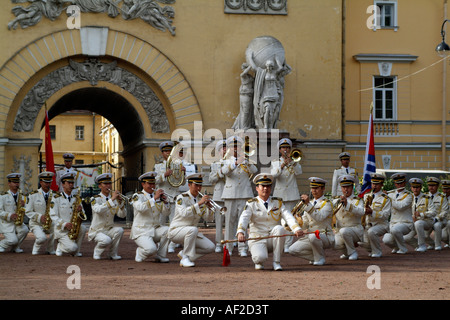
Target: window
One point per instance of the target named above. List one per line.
(78, 161)
(386, 14)
(385, 92)
(79, 132)
(52, 132)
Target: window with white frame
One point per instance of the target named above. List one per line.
(385, 96)
(386, 14)
(79, 132)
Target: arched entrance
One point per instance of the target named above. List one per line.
(132, 84)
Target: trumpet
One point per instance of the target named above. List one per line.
(215, 205)
(167, 196)
(123, 197)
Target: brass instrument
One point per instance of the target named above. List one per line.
(168, 196)
(365, 218)
(215, 205)
(48, 220)
(296, 155)
(177, 178)
(77, 217)
(249, 147)
(297, 212)
(20, 210)
(123, 197)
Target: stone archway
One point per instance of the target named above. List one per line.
(97, 62)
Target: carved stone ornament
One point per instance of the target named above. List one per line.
(256, 6)
(93, 71)
(148, 10)
(22, 165)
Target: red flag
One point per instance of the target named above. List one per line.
(49, 162)
(226, 257)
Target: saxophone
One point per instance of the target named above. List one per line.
(78, 216)
(48, 220)
(365, 219)
(20, 210)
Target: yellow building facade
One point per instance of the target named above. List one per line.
(390, 61)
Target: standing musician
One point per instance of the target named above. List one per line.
(190, 208)
(349, 230)
(423, 213)
(68, 162)
(37, 210)
(441, 205)
(147, 231)
(345, 169)
(12, 211)
(317, 215)
(285, 172)
(238, 172)
(162, 182)
(377, 211)
(401, 225)
(218, 180)
(262, 215)
(105, 206)
(62, 209)
(446, 222)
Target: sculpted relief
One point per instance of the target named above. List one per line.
(159, 17)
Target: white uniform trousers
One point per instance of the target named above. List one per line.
(219, 220)
(235, 207)
(372, 238)
(289, 205)
(399, 235)
(65, 245)
(347, 237)
(437, 227)
(311, 248)
(147, 245)
(260, 249)
(446, 233)
(41, 240)
(195, 244)
(13, 240)
(107, 238)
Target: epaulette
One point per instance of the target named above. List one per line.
(33, 192)
(252, 200)
(277, 198)
(384, 195)
(57, 195)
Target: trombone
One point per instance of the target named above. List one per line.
(215, 205)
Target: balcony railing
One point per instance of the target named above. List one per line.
(385, 128)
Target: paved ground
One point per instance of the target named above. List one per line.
(414, 276)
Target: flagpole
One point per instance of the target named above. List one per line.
(369, 160)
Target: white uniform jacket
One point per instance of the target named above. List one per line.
(286, 180)
(237, 181)
(318, 216)
(162, 183)
(188, 212)
(261, 221)
(147, 212)
(103, 212)
(336, 188)
(441, 206)
(36, 206)
(401, 207)
(217, 178)
(7, 209)
(381, 209)
(61, 210)
(350, 215)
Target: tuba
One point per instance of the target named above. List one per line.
(20, 210)
(78, 216)
(177, 178)
(48, 220)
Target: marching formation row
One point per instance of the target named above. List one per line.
(277, 220)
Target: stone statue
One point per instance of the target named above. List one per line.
(147, 10)
(265, 56)
(245, 119)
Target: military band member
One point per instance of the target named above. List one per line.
(423, 213)
(317, 215)
(345, 169)
(162, 182)
(37, 210)
(262, 215)
(105, 206)
(189, 209)
(446, 224)
(217, 179)
(237, 190)
(147, 231)
(61, 209)
(401, 225)
(441, 206)
(13, 233)
(285, 172)
(377, 210)
(68, 162)
(349, 230)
